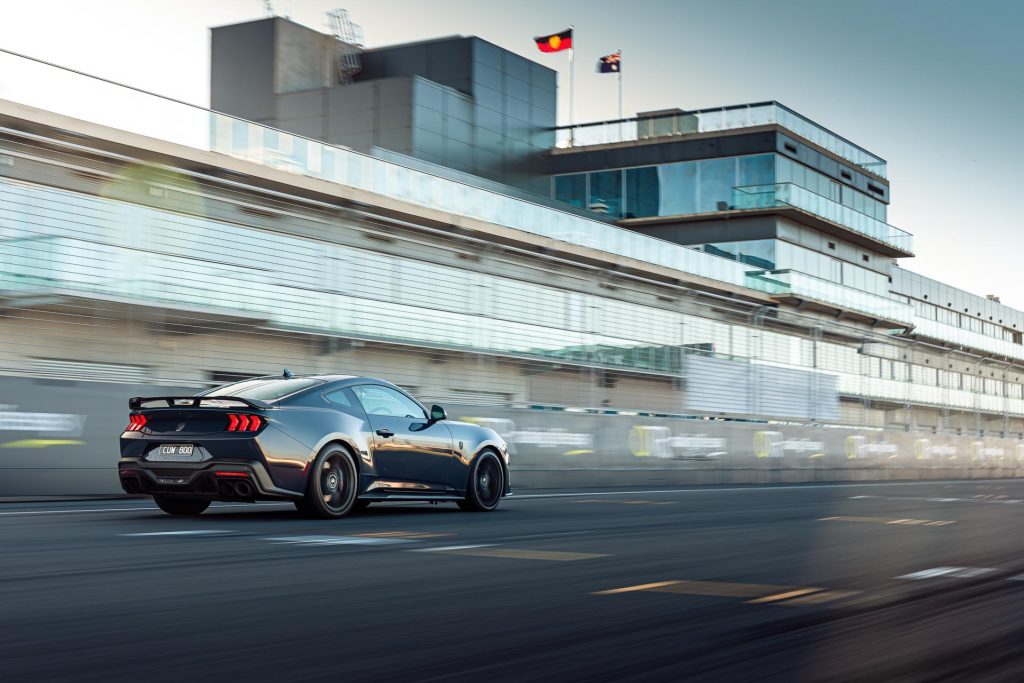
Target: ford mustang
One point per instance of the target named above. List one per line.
(332, 444)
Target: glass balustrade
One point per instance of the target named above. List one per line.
(840, 296)
(97, 101)
(717, 119)
(790, 194)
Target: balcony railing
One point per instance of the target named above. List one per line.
(838, 296)
(710, 120)
(52, 88)
(789, 194)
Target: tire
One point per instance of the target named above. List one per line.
(332, 485)
(173, 505)
(486, 484)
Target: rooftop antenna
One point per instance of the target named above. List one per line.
(349, 37)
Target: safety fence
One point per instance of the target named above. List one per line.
(60, 437)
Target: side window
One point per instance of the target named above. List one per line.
(342, 400)
(379, 400)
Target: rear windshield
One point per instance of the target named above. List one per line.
(264, 389)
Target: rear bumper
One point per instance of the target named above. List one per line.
(211, 480)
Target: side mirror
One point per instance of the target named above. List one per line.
(437, 413)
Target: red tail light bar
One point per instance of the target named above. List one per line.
(136, 423)
(244, 423)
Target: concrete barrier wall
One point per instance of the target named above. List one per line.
(60, 438)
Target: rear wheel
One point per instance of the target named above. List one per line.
(486, 484)
(174, 505)
(331, 489)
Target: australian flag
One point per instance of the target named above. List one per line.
(610, 64)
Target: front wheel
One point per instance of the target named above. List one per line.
(331, 489)
(173, 505)
(486, 484)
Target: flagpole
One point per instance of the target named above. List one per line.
(572, 84)
(620, 95)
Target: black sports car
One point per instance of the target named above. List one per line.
(329, 443)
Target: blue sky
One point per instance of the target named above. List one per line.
(936, 88)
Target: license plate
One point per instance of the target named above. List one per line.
(176, 449)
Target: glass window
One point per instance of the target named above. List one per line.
(344, 400)
(606, 192)
(265, 389)
(339, 398)
(758, 253)
(678, 183)
(643, 192)
(717, 178)
(783, 169)
(378, 400)
(757, 170)
(572, 189)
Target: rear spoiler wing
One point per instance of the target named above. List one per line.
(139, 402)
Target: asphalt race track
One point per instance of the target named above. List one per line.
(867, 582)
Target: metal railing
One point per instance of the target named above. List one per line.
(840, 296)
(710, 120)
(790, 194)
(46, 86)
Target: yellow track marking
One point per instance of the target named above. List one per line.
(42, 443)
(640, 587)
(784, 596)
(720, 589)
(510, 553)
(716, 588)
(820, 597)
(757, 593)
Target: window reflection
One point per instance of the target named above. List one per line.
(665, 190)
(689, 187)
(606, 193)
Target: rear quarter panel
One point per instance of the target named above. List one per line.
(314, 428)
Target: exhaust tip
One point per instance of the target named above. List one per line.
(243, 489)
(131, 485)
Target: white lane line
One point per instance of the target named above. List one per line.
(193, 532)
(335, 540)
(23, 513)
(928, 499)
(711, 489)
(452, 547)
(951, 572)
(529, 496)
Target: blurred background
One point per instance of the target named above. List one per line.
(707, 295)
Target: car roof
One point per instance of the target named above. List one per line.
(348, 379)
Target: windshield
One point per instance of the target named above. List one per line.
(265, 389)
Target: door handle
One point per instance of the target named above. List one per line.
(385, 432)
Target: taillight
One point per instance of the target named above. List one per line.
(136, 423)
(244, 423)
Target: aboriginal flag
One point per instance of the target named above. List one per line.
(610, 64)
(556, 42)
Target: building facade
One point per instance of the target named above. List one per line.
(732, 266)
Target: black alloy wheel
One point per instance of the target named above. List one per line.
(332, 485)
(174, 505)
(486, 484)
